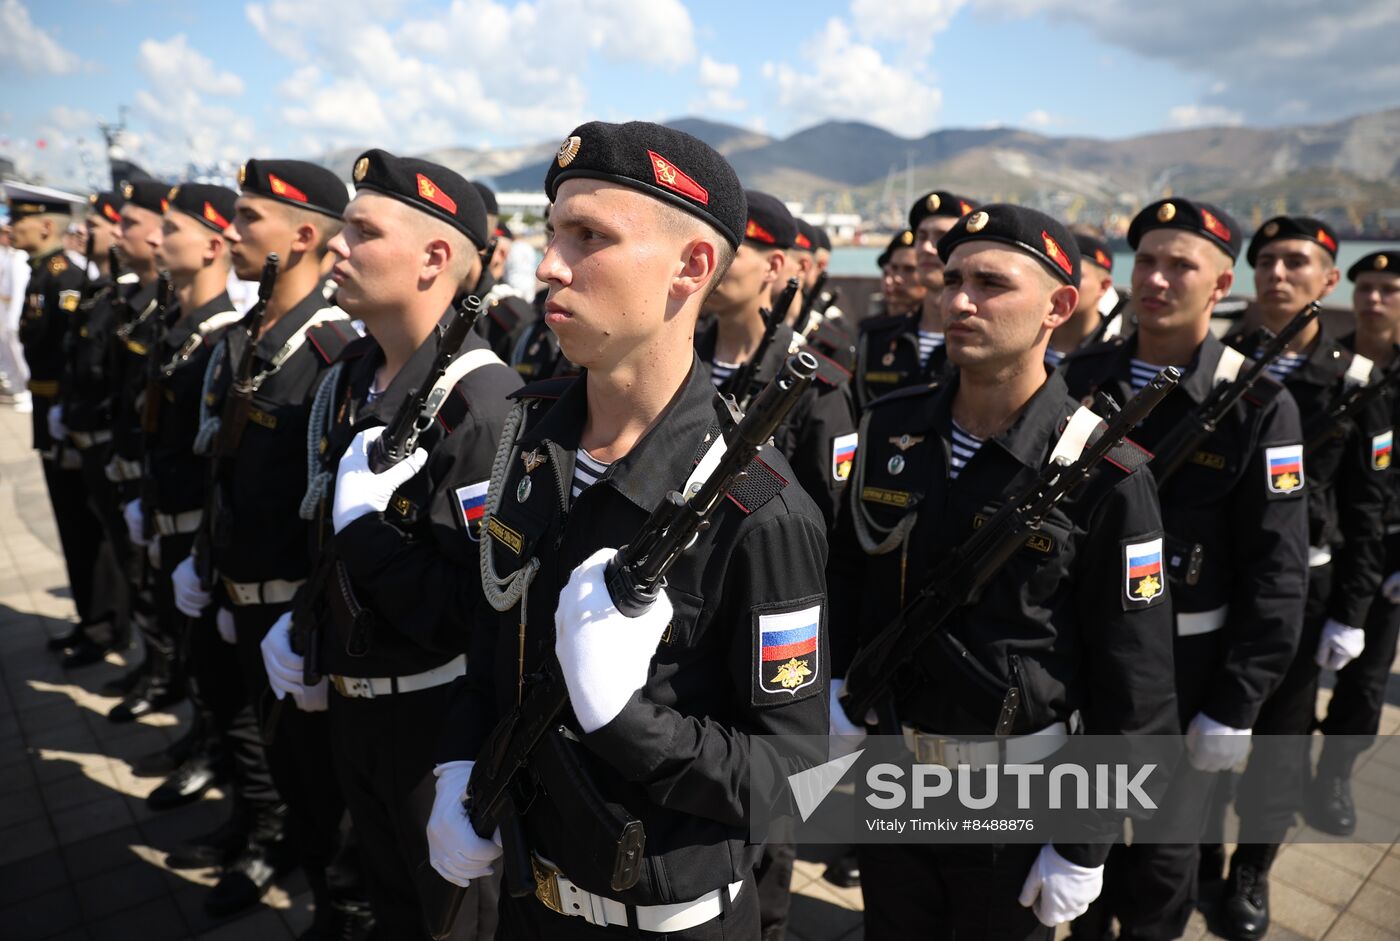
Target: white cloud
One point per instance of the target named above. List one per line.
(847, 80)
(1203, 116)
(189, 129)
(25, 47)
(1039, 118)
(719, 80)
(911, 23)
(174, 63)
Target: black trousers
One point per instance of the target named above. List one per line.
(1273, 783)
(111, 586)
(384, 755)
(298, 748)
(967, 892)
(1354, 714)
(528, 918)
(79, 532)
(774, 879)
(215, 682)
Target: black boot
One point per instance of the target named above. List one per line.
(85, 652)
(125, 683)
(1244, 916)
(1330, 807)
(845, 871)
(267, 856)
(159, 689)
(64, 641)
(341, 920)
(1211, 867)
(189, 782)
(219, 847)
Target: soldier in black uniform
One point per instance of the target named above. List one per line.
(826, 335)
(414, 232)
(1354, 712)
(39, 218)
(535, 353)
(1083, 329)
(260, 544)
(85, 413)
(1236, 544)
(1065, 622)
(907, 348)
(1294, 259)
(645, 220)
(900, 290)
(507, 314)
(819, 436)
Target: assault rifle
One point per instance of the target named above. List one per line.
(1355, 400)
(879, 668)
(416, 413)
(809, 305)
(742, 381)
(1184, 440)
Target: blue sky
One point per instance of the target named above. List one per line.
(220, 82)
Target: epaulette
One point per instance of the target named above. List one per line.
(1128, 456)
(1264, 391)
(551, 388)
(829, 372)
(357, 348)
(759, 484)
(331, 338)
(906, 392)
(870, 324)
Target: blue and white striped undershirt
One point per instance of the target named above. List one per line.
(586, 472)
(1142, 373)
(1283, 367)
(964, 447)
(928, 342)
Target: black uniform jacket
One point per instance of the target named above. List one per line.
(183, 355)
(887, 357)
(1346, 492)
(131, 344)
(681, 753)
(818, 437)
(1233, 536)
(86, 386)
(262, 489)
(51, 299)
(535, 352)
(415, 565)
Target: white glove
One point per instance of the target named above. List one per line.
(191, 598)
(1211, 746)
(1059, 890)
(1339, 645)
(846, 736)
(358, 490)
(605, 654)
(1391, 588)
(284, 668)
(135, 525)
(223, 621)
(313, 698)
(57, 430)
(454, 849)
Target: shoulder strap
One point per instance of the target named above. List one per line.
(456, 371)
(296, 341)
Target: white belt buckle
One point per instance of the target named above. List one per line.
(354, 687)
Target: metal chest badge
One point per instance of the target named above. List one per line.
(531, 459)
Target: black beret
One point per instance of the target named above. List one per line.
(1387, 262)
(901, 239)
(660, 161)
(148, 194)
(212, 205)
(503, 231)
(1211, 223)
(769, 223)
(108, 205)
(427, 187)
(1293, 227)
(939, 203)
(807, 239)
(488, 198)
(1095, 250)
(1042, 237)
(823, 241)
(296, 183)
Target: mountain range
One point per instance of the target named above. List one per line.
(1347, 172)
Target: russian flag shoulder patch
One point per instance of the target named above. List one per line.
(1144, 580)
(471, 500)
(1284, 468)
(787, 652)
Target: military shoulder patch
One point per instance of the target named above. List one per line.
(1283, 468)
(787, 651)
(68, 300)
(843, 455)
(472, 501)
(1143, 579)
(1380, 449)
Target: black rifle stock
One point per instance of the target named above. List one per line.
(873, 672)
(742, 381)
(1186, 438)
(417, 411)
(634, 577)
(239, 398)
(151, 399)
